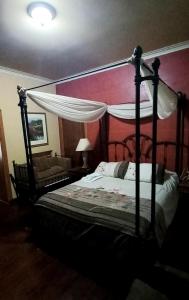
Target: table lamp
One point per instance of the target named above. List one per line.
(84, 146)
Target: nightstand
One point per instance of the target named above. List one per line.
(79, 172)
(184, 195)
(184, 187)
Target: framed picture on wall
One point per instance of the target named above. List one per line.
(38, 129)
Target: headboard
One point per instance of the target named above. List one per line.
(125, 149)
(166, 151)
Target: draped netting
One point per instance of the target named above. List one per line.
(69, 108)
(167, 99)
(80, 110)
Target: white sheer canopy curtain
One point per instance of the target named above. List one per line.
(69, 108)
(167, 99)
(80, 110)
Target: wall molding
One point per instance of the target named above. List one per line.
(15, 72)
(145, 56)
(166, 50)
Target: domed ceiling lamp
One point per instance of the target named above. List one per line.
(41, 12)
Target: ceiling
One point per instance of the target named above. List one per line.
(87, 33)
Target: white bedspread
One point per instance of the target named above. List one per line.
(166, 194)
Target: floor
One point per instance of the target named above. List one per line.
(29, 272)
(170, 273)
(176, 246)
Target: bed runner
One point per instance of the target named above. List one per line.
(99, 207)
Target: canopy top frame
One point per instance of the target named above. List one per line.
(154, 77)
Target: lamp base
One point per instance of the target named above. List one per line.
(85, 159)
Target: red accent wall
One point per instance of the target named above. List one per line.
(117, 86)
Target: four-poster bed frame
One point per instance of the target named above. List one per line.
(154, 77)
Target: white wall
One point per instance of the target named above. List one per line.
(11, 116)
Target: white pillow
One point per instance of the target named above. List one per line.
(107, 168)
(145, 172)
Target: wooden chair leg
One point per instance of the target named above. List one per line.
(13, 181)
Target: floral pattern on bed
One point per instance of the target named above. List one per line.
(109, 209)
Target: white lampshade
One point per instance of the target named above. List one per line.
(84, 145)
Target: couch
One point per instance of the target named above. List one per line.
(50, 172)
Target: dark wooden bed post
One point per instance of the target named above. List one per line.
(138, 79)
(183, 102)
(104, 132)
(178, 132)
(27, 144)
(155, 80)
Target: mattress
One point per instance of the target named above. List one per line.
(110, 202)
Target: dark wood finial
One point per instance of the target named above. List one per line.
(21, 91)
(180, 94)
(156, 64)
(137, 52)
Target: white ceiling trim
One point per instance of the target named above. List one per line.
(166, 50)
(10, 71)
(145, 56)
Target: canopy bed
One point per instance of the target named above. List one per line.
(161, 105)
(107, 196)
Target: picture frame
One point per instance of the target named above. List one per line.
(37, 129)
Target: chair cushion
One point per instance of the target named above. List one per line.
(56, 170)
(41, 163)
(52, 161)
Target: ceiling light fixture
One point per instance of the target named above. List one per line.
(41, 12)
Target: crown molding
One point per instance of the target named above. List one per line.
(10, 71)
(145, 56)
(166, 50)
